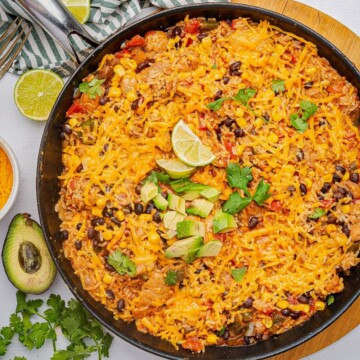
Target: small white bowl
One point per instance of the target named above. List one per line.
(16, 178)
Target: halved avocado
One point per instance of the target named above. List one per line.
(26, 258)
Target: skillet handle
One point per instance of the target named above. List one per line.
(55, 19)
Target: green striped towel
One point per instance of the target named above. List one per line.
(106, 16)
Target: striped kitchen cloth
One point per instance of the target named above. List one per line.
(106, 16)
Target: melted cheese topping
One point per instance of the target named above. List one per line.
(6, 178)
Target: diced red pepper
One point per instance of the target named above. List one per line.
(327, 203)
(189, 41)
(137, 40)
(76, 108)
(229, 148)
(120, 54)
(192, 27)
(233, 24)
(221, 237)
(276, 206)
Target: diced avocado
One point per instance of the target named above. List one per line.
(171, 218)
(200, 207)
(160, 202)
(212, 248)
(148, 192)
(191, 195)
(186, 248)
(183, 185)
(176, 203)
(223, 222)
(171, 234)
(211, 194)
(26, 258)
(189, 228)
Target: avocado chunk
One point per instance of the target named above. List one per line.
(171, 218)
(191, 195)
(26, 258)
(183, 185)
(186, 248)
(211, 194)
(223, 222)
(176, 203)
(148, 192)
(200, 207)
(212, 248)
(188, 228)
(160, 202)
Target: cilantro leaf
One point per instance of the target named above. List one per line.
(156, 177)
(20, 358)
(244, 95)
(238, 273)
(330, 299)
(261, 193)
(56, 306)
(216, 105)
(236, 203)
(308, 108)
(171, 278)
(92, 88)
(278, 86)
(318, 212)
(79, 352)
(222, 331)
(239, 177)
(38, 334)
(106, 343)
(298, 123)
(121, 263)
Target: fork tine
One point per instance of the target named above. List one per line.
(11, 48)
(10, 36)
(16, 53)
(4, 35)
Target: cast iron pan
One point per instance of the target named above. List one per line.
(49, 168)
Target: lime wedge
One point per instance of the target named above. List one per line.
(188, 147)
(176, 168)
(80, 9)
(35, 93)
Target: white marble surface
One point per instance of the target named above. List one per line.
(24, 137)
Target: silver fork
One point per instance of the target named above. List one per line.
(12, 45)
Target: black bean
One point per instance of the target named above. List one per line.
(97, 221)
(322, 122)
(248, 303)
(295, 314)
(138, 188)
(341, 169)
(156, 217)
(139, 208)
(103, 100)
(253, 222)
(286, 312)
(198, 271)
(226, 80)
(178, 44)
(149, 208)
(302, 299)
(62, 136)
(67, 129)
(78, 226)
(303, 189)
(226, 335)
(218, 95)
(80, 168)
(115, 221)
(266, 117)
(107, 212)
(64, 235)
(336, 178)
(226, 122)
(136, 103)
(345, 229)
(176, 31)
(78, 245)
(202, 36)
(121, 305)
(325, 188)
(308, 85)
(142, 66)
(96, 244)
(234, 68)
(239, 132)
(340, 193)
(110, 294)
(291, 188)
(247, 340)
(109, 267)
(128, 209)
(92, 233)
(300, 155)
(354, 177)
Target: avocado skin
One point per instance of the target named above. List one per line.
(24, 229)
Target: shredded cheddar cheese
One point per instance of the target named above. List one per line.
(6, 178)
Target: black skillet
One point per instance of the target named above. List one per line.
(49, 168)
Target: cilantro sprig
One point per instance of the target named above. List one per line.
(278, 86)
(243, 96)
(238, 273)
(121, 263)
(299, 122)
(84, 333)
(318, 212)
(92, 88)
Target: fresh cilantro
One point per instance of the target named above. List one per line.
(216, 105)
(244, 95)
(330, 299)
(278, 86)
(20, 358)
(236, 203)
(214, 66)
(238, 273)
(318, 212)
(156, 177)
(92, 88)
(261, 193)
(308, 108)
(75, 323)
(121, 263)
(171, 278)
(300, 122)
(222, 331)
(239, 177)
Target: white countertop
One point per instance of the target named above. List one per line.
(24, 137)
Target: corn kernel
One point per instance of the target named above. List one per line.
(107, 235)
(101, 202)
(107, 279)
(128, 63)
(120, 215)
(319, 305)
(328, 178)
(131, 96)
(300, 307)
(200, 71)
(267, 322)
(311, 70)
(312, 173)
(239, 112)
(96, 212)
(240, 149)
(114, 92)
(73, 122)
(154, 237)
(206, 42)
(346, 209)
(144, 87)
(123, 244)
(212, 338)
(241, 122)
(330, 228)
(119, 70)
(276, 116)
(273, 138)
(282, 304)
(145, 217)
(258, 123)
(346, 176)
(308, 183)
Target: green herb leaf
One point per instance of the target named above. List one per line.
(318, 212)
(239, 177)
(261, 193)
(278, 86)
(308, 108)
(214, 66)
(298, 123)
(92, 88)
(330, 299)
(171, 278)
(216, 105)
(238, 273)
(121, 263)
(222, 331)
(244, 95)
(235, 203)
(156, 177)
(38, 334)
(79, 352)
(20, 358)
(56, 306)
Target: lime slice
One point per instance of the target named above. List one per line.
(188, 147)
(35, 93)
(176, 168)
(80, 9)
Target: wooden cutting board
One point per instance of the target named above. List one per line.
(349, 43)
